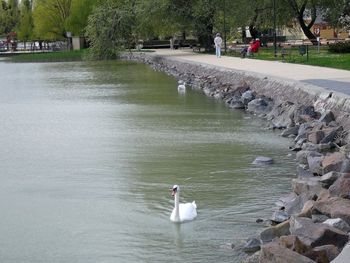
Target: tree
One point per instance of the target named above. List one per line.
(25, 29)
(109, 29)
(174, 17)
(345, 16)
(50, 18)
(9, 16)
(306, 12)
(337, 13)
(157, 18)
(79, 12)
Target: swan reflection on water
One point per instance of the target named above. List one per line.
(179, 240)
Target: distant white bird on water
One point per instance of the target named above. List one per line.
(182, 86)
(182, 212)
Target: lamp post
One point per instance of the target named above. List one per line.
(225, 47)
(274, 29)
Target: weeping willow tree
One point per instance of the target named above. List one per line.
(50, 17)
(9, 16)
(109, 30)
(26, 26)
(79, 12)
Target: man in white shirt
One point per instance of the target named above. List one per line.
(218, 42)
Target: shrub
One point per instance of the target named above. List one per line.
(341, 47)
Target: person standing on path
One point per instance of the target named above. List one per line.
(218, 42)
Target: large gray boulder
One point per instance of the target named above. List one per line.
(320, 147)
(279, 216)
(276, 253)
(324, 147)
(285, 199)
(263, 160)
(341, 187)
(327, 117)
(311, 187)
(253, 258)
(247, 97)
(338, 223)
(259, 106)
(314, 161)
(307, 209)
(315, 234)
(312, 147)
(304, 128)
(270, 233)
(252, 245)
(323, 254)
(292, 203)
(315, 136)
(290, 131)
(303, 172)
(333, 207)
(301, 156)
(319, 218)
(328, 179)
(305, 114)
(236, 103)
(294, 243)
(281, 115)
(336, 161)
(331, 134)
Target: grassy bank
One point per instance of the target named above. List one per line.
(315, 57)
(61, 56)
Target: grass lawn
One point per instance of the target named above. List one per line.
(321, 58)
(60, 56)
(75, 55)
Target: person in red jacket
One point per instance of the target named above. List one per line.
(254, 47)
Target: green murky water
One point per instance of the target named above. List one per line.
(88, 152)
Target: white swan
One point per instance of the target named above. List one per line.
(182, 212)
(181, 87)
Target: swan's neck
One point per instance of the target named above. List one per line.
(177, 201)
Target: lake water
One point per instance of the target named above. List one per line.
(88, 152)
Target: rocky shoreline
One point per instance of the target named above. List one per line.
(311, 224)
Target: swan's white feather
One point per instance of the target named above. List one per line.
(182, 212)
(181, 87)
(187, 212)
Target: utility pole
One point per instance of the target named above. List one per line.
(274, 29)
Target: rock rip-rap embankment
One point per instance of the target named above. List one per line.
(311, 224)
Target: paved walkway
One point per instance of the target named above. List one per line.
(327, 78)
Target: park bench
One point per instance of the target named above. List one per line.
(196, 48)
(285, 52)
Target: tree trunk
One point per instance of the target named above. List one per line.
(252, 29)
(299, 12)
(205, 36)
(244, 36)
(209, 38)
(307, 31)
